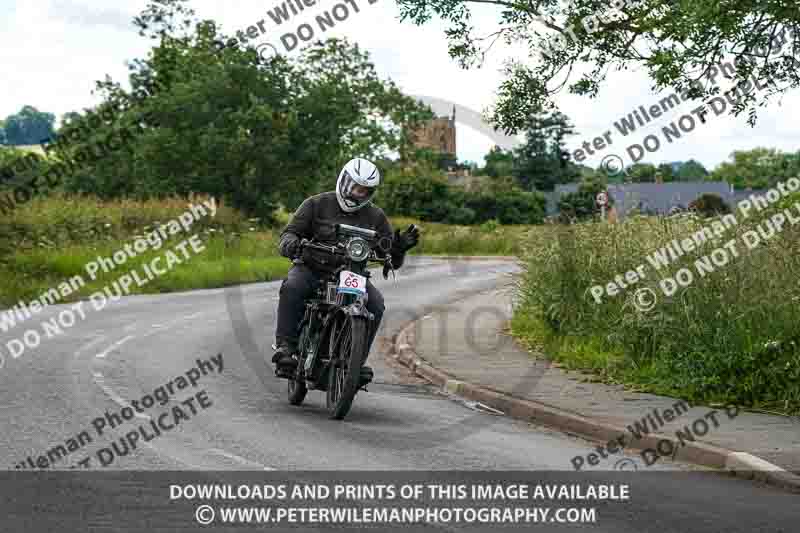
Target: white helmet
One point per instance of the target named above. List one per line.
(356, 172)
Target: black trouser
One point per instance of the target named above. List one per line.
(299, 286)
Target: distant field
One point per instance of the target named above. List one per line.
(51, 240)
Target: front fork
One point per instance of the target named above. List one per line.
(309, 347)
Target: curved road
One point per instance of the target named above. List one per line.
(141, 343)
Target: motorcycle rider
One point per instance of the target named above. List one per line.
(351, 203)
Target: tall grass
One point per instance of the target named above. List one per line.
(224, 261)
(52, 221)
(489, 238)
(731, 335)
(53, 238)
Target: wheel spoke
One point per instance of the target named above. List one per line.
(345, 341)
(341, 375)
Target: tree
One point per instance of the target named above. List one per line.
(406, 192)
(562, 128)
(29, 126)
(642, 173)
(760, 168)
(540, 163)
(226, 123)
(586, 171)
(70, 116)
(502, 185)
(678, 43)
(18, 167)
(608, 174)
(499, 163)
(666, 172)
(582, 204)
(426, 160)
(692, 171)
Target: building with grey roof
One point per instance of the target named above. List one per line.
(655, 198)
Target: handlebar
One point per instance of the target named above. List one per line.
(337, 249)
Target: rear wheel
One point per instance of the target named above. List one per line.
(297, 383)
(297, 390)
(348, 340)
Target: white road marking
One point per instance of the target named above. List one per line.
(89, 344)
(98, 378)
(113, 346)
(239, 459)
(158, 327)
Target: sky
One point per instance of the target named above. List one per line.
(61, 47)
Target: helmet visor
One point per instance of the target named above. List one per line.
(353, 193)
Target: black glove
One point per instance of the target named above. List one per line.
(408, 239)
(293, 248)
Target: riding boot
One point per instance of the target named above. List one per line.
(285, 364)
(366, 371)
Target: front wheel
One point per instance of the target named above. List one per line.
(348, 341)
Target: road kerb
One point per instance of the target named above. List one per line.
(434, 375)
(749, 466)
(740, 464)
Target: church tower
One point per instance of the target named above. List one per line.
(438, 134)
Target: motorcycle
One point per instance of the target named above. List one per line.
(334, 331)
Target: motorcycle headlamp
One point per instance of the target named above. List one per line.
(358, 249)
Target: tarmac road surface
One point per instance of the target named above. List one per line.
(240, 418)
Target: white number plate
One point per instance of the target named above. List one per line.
(352, 283)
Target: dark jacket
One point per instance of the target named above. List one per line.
(316, 218)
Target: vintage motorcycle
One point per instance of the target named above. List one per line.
(334, 331)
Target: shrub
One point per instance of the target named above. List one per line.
(433, 200)
(582, 204)
(489, 226)
(709, 205)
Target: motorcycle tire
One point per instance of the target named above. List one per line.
(297, 390)
(297, 387)
(348, 341)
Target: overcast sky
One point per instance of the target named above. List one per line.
(54, 50)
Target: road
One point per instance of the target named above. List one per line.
(140, 343)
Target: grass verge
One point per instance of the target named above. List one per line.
(54, 238)
(731, 335)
